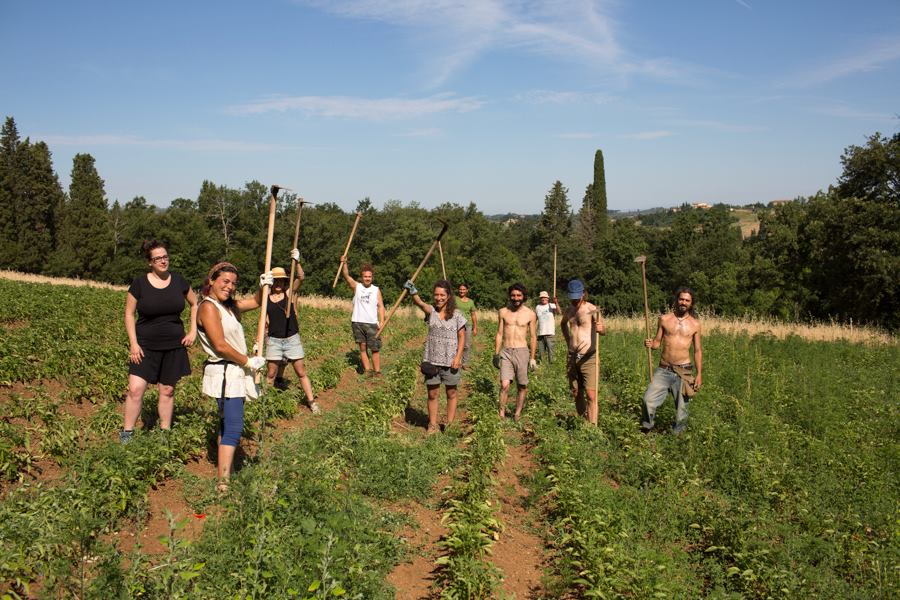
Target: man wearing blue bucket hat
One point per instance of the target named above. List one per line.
(580, 322)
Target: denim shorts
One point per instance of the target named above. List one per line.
(290, 348)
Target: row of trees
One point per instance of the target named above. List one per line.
(834, 255)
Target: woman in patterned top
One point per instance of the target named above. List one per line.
(443, 347)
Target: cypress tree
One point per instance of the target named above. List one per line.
(84, 240)
(41, 196)
(556, 220)
(9, 189)
(600, 218)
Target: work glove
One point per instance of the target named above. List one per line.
(496, 361)
(295, 255)
(532, 365)
(410, 287)
(266, 279)
(255, 363)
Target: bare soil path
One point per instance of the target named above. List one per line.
(519, 553)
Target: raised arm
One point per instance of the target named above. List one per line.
(410, 287)
(345, 270)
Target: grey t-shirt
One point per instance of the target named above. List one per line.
(442, 342)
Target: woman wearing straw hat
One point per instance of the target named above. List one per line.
(283, 341)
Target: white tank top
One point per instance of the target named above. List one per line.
(238, 382)
(365, 304)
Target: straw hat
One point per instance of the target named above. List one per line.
(279, 273)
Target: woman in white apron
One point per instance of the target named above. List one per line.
(228, 372)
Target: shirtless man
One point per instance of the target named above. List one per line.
(511, 347)
(580, 322)
(676, 332)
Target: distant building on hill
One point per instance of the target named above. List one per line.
(701, 205)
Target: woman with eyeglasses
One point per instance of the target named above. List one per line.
(158, 343)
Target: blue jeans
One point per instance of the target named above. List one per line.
(231, 420)
(663, 382)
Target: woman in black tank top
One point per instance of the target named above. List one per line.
(283, 343)
(157, 341)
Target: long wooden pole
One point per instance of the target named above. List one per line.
(441, 253)
(261, 326)
(643, 260)
(554, 274)
(597, 364)
(436, 241)
(346, 250)
(290, 290)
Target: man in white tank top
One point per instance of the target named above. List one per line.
(367, 316)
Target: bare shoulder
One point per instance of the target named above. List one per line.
(532, 316)
(695, 324)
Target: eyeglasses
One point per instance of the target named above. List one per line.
(157, 259)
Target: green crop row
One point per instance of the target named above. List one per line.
(295, 524)
(784, 486)
(470, 508)
(54, 532)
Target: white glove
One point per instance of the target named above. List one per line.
(295, 255)
(532, 365)
(255, 363)
(266, 279)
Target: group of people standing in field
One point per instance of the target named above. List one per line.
(158, 344)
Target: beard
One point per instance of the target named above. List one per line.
(682, 310)
(514, 304)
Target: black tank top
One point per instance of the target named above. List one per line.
(279, 325)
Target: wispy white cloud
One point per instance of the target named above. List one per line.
(872, 58)
(456, 33)
(563, 97)
(578, 135)
(192, 145)
(717, 125)
(844, 111)
(421, 133)
(744, 4)
(347, 107)
(647, 135)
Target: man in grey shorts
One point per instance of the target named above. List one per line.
(513, 354)
(367, 316)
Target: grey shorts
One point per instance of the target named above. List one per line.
(514, 365)
(364, 333)
(289, 348)
(445, 375)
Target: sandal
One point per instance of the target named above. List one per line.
(315, 408)
(222, 487)
(432, 429)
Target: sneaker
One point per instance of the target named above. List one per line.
(125, 436)
(280, 384)
(315, 408)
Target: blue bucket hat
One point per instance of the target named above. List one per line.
(575, 289)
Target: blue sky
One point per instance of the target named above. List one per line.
(461, 101)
